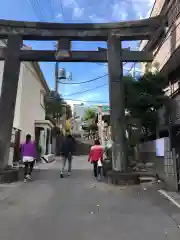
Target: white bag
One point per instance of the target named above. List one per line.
(99, 163)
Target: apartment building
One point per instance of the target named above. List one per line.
(166, 49)
(166, 44)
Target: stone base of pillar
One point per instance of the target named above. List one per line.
(9, 176)
(118, 178)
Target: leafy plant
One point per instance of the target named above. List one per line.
(143, 98)
(89, 114)
(53, 105)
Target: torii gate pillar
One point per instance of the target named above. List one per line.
(117, 105)
(8, 95)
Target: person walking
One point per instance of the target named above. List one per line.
(96, 158)
(67, 150)
(28, 151)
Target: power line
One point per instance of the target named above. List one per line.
(78, 100)
(97, 87)
(86, 90)
(36, 8)
(62, 11)
(50, 8)
(91, 80)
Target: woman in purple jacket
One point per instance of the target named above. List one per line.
(28, 150)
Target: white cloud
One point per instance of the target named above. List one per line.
(107, 11)
(119, 11)
(143, 9)
(123, 11)
(59, 16)
(96, 19)
(78, 12)
(93, 96)
(67, 3)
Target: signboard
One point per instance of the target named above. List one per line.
(105, 108)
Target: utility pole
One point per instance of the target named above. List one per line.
(64, 119)
(63, 47)
(117, 104)
(56, 76)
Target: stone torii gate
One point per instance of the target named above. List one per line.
(113, 33)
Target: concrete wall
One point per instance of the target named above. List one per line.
(164, 164)
(148, 153)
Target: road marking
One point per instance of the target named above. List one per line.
(165, 194)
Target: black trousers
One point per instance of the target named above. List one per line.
(28, 167)
(65, 158)
(97, 170)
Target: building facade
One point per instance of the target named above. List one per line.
(78, 115)
(166, 51)
(29, 116)
(165, 45)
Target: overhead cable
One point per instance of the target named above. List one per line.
(91, 80)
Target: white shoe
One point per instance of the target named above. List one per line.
(69, 174)
(28, 177)
(25, 180)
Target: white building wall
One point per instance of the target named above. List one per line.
(31, 101)
(79, 111)
(28, 102)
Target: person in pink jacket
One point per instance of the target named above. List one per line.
(96, 158)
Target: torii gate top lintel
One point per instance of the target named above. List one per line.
(129, 30)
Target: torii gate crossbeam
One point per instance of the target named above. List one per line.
(77, 56)
(130, 30)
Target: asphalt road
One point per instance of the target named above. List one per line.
(78, 207)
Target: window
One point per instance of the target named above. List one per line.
(42, 94)
(173, 12)
(178, 9)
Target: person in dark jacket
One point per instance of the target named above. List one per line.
(68, 148)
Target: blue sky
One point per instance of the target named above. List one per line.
(77, 11)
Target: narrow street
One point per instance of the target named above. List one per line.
(80, 208)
